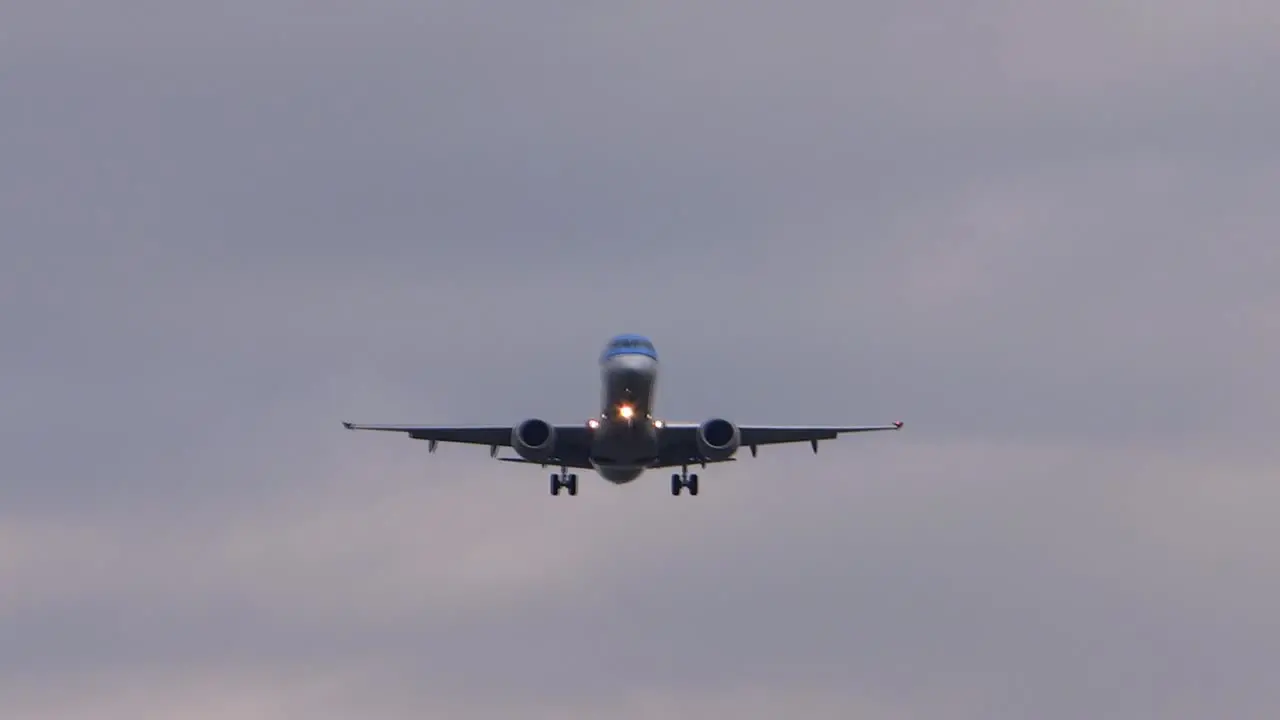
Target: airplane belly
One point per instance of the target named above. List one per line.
(622, 442)
(621, 451)
(619, 474)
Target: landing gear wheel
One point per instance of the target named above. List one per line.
(564, 479)
(684, 480)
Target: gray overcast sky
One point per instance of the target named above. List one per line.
(1043, 235)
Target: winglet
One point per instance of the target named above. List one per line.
(349, 426)
(897, 425)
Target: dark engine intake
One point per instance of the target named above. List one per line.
(534, 440)
(718, 439)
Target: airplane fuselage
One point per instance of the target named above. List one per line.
(625, 441)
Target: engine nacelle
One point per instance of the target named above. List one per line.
(534, 440)
(718, 439)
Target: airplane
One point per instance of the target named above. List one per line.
(625, 439)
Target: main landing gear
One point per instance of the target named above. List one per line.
(684, 480)
(565, 480)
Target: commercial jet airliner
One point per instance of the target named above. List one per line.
(625, 439)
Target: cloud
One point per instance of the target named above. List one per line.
(883, 587)
(264, 693)
(1041, 236)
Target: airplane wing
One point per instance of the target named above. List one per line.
(773, 435)
(681, 438)
(582, 463)
(492, 435)
(572, 441)
(576, 461)
(668, 460)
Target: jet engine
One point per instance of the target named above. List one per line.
(718, 439)
(534, 439)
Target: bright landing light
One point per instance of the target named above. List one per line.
(626, 411)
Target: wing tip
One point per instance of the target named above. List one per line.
(349, 426)
(897, 425)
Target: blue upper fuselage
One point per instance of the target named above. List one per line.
(628, 345)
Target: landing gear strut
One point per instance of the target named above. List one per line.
(684, 480)
(565, 480)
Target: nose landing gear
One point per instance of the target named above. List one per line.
(684, 480)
